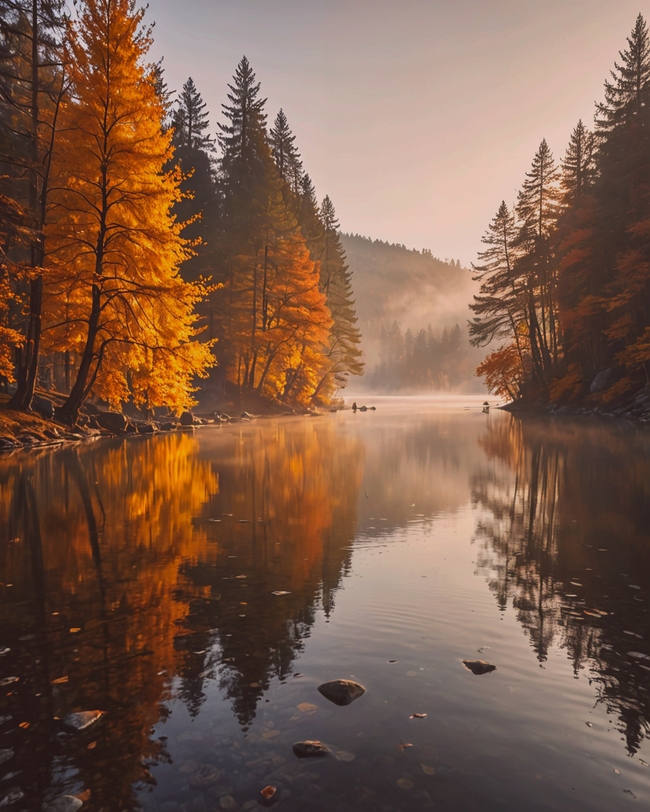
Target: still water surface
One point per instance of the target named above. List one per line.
(137, 578)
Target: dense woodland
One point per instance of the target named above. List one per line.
(138, 254)
(565, 274)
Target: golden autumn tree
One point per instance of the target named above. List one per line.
(113, 289)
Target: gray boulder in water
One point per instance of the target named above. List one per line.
(341, 691)
(310, 749)
(479, 666)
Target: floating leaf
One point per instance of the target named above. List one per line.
(268, 792)
(83, 719)
(8, 681)
(280, 592)
(418, 716)
(59, 681)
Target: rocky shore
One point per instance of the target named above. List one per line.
(635, 408)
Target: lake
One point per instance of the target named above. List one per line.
(138, 578)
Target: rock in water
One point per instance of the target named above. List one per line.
(66, 803)
(187, 419)
(82, 720)
(310, 749)
(204, 778)
(115, 422)
(479, 666)
(341, 691)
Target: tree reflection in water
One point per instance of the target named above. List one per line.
(114, 579)
(564, 518)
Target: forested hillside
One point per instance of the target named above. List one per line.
(565, 274)
(413, 310)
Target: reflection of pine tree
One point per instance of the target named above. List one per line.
(532, 550)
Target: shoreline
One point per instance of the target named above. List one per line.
(637, 409)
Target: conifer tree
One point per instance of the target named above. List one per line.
(32, 83)
(578, 166)
(114, 293)
(343, 353)
(285, 153)
(500, 308)
(191, 121)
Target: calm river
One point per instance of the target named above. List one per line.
(138, 579)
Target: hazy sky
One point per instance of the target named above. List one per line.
(417, 117)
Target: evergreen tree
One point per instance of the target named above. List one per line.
(32, 83)
(343, 352)
(191, 121)
(285, 153)
(578, 166)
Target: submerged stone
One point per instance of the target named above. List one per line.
(82, 720)
(65, 803)
(310, 749)
(479, 666)
(341, 691)
(204, 778)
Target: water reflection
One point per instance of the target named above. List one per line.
(564, 533)
(123, 564)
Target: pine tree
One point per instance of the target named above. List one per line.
(32, 82)
(285, 154)
(343, 352)
(191, 121)
(538, 210)
(500, 308)
(114, 293)
(578, 166)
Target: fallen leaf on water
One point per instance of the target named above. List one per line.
(428, 770)
(644, 763)
(279, 592)
(405, 783)
(589, 724)
(59, 681)
(393, 661)
(24, 725)
(91, 746)
(269, 792)
(418, 716)
(8, 681)
(616, 772)
(74, 630)
(239, 577)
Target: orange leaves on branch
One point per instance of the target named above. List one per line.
(503, 372)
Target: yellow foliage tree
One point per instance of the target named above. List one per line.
(114, 294)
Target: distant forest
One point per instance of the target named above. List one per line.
(565, 273)
(139, 254)
(413, 312)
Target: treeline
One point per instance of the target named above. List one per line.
(422, 360)
(565, 275)
(136, 254)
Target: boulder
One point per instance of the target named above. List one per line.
(310, 749)
(341, 691)
(166, 426)
(43, 406)
(114, 422)
(146, 428)
(603, 380)
(187, 419)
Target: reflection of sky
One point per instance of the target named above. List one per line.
(416, 117)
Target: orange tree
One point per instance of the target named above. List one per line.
(113, 291)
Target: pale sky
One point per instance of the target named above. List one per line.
(417, 117)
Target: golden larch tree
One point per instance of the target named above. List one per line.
(114, 293)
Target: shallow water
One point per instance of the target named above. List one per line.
(137, 578)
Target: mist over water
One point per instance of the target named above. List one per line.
(138, 578)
